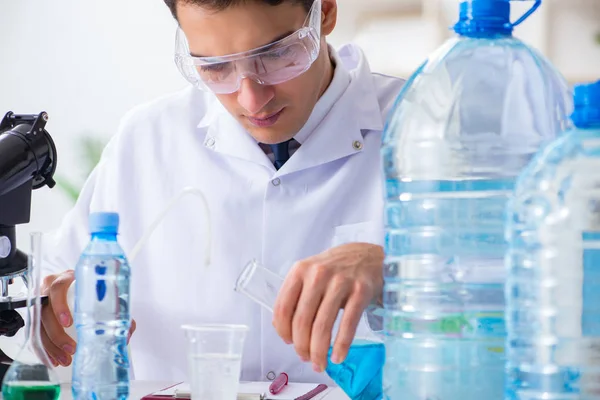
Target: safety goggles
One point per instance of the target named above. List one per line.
(272, 64)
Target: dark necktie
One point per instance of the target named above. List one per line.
(281, 152)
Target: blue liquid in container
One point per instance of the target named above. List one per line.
(360, 375)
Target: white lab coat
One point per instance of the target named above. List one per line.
(328, 193)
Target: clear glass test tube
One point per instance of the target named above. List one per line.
(259, 284)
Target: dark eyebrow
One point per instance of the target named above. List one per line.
(277, 39)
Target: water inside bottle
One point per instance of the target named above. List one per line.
(444, 292)
(553, 287)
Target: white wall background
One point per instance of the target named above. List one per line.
(88, 62)
(409, 30)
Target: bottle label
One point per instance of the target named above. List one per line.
(100, 283)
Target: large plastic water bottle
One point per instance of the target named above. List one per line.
(101, 364)
(464, 126)
(553, 286)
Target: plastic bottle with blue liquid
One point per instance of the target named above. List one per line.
(101, 315)
(465, 125)
(553, 263)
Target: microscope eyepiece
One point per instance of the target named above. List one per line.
(27, 152)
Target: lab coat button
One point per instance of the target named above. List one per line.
(357, 144)
(210, 142)
(271, 375)
(276, 182)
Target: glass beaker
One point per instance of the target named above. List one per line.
(31, 375)
(360, 374)
(214, 355)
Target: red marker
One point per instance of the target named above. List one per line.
(312, 393)
(279, 383)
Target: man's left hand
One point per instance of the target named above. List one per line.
(349, 277)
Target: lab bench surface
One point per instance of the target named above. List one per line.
(140, 389)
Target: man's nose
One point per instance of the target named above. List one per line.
(253, 96)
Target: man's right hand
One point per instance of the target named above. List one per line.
(56, 317)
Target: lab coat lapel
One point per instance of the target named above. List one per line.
(340, 134)
(226, 136)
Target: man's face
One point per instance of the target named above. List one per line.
(271, 114)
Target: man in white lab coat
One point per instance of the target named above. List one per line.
(283, 138)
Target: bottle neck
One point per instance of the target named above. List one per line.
(104, 236)
(474, 32)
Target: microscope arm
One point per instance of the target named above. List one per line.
(27, 162)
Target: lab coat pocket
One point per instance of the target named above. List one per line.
(363, 232)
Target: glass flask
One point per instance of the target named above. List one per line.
(31, 375)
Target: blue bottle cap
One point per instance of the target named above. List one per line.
(488, 18)
(104, 222)
(587, 105)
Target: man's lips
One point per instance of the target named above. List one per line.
(265, 121)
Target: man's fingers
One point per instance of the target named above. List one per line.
(303, 319)
(320, 339)
(56, 354)
(285, 306)
(57, 294)
(56, 333)
(350, 319)
(131, 330)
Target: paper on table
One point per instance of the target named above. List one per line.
(290, 392)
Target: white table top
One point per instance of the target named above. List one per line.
(140, 389)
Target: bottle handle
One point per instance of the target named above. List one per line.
(534, 7)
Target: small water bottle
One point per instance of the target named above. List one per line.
(463, 128)
(553, 286)
(102, 321)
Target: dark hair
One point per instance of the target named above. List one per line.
(219, 5)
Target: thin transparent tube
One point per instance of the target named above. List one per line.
(35, 254)
(34, 297)
(185, 192)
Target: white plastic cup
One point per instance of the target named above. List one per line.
(214, 354)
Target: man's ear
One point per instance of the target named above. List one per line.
(328, 16)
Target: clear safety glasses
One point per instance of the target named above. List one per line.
(272, 64)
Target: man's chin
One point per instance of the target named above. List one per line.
(270, 135)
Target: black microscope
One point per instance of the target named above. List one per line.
(27, 162)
